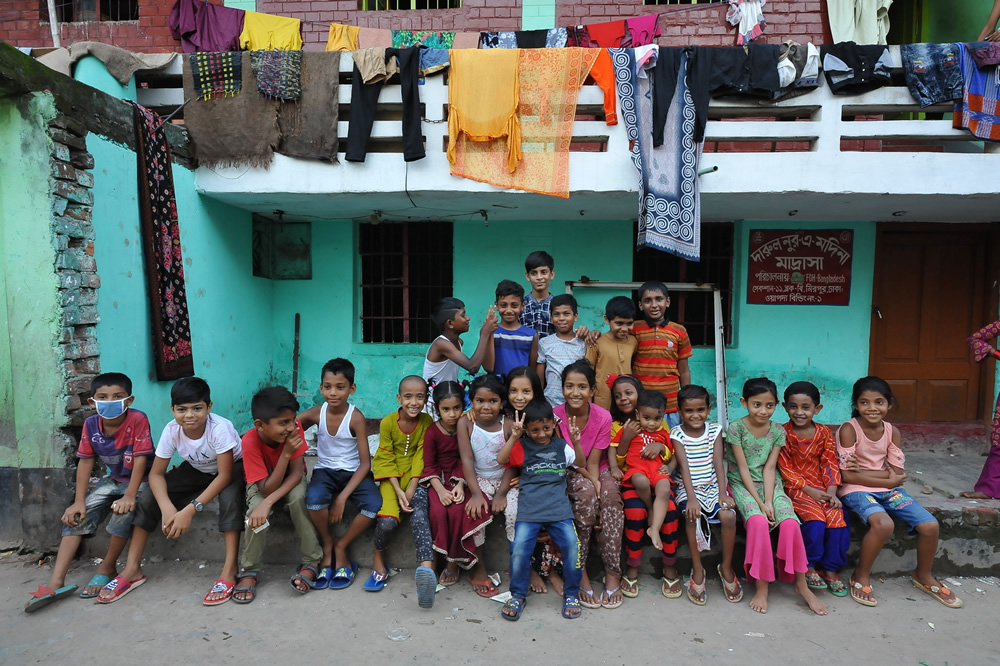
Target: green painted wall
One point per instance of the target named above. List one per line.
(538, 14)
(247, 5)
(956, 21)
(30, 315)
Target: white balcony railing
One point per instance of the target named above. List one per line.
(817, 156)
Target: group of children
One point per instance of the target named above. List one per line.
(572, 435)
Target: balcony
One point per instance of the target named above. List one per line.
(818, 157)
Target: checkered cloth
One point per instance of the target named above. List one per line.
(216, 74)
(278, 74)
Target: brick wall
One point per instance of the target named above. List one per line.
(706, 25)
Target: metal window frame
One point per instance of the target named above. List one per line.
(719, 325)
(373, 5)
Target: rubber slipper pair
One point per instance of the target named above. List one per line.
(310, 583)
(44, 596)
(939, 592)
(376, 582)
(98, 581)
(223, 587)
(426, 586)
(119, 587)
(250, 589)
(343, 577)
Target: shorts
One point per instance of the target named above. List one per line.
(896, 502)
(98, 503)
(326, 484)
(672, 419)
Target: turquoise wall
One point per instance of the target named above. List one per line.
(538, 14)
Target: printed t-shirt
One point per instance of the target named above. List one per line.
(259, 459)
(117, 452)
(220, 436)
(541, 491)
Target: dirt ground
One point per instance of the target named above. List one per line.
(166, 620)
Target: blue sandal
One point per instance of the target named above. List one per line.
(426, 586)
(376, 581)
(514, 604)
(343, 578)
(97, 580)
(570, 603)
(323, 579)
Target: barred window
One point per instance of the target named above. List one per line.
(81, 11)
(682, 2)
(695, 310)
(388, 5)
(406, 268)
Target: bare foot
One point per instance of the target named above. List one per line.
(975, 495)
(556, 581)
(654, 536)
(759, 600)
(815, 605)
(450, 575)
(538, 583)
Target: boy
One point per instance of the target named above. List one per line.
(540, 270)
(557, 351)
(342, 471)
(612, 355)
(275, 470)
(661, 360)
(120, 437)
(398, 467)
(514, 344)
(212, 467)
(542, 503)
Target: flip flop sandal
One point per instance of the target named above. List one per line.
(310, 583)
(449, 583)
(97, 580)
(671, 588)
(588, 604)
(516, 605)
(490, 591)
(572, 603)
(836, 587)
(44, 596)
(322, 581)
(343, 578)
(857, 589)
(697, 592)
(631, 587)
(376, 582)
(222, 586)
(815, 582)
(251, 587)
(610, 605)
(734, 591)
(426, 586)
(938, 592)
(119, 587)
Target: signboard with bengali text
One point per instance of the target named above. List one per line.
(788, 267)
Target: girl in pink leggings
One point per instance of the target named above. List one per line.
(754, 443)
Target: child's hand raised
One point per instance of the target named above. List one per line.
(491, 323)
(574, 431)
(517, 425)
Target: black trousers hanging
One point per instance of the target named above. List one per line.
(364, 101)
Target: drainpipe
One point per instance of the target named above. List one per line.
(54, 24)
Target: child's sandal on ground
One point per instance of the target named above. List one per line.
(484, 588)
(630, 587)
(376, 582)
(734, 591)
(223, 587)
(611, 605)
(118, 588)
(513, 604)
(588, 599)
(44, 596)
(815, 582)
(697, 592)
(939, 592)
(250, 589)
(572, 604)
(310, 583)
(343, 577)
(426, 583)
(836, 586)
(322, 581)
(857, 589)
(98, 581)
(671, 588)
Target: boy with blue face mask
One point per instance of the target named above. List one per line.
(120, 437)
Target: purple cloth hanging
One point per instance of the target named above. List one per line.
(202, 27)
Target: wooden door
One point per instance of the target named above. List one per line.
(929, 295)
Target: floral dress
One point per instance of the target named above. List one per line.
(756, 451)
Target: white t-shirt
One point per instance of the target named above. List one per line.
(220, 436)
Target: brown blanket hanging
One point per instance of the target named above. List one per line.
(309, 127)
(232, 131)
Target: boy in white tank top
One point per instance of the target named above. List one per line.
(342, 472)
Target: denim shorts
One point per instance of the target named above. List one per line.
(932, 72)
(672, 419)
(896, 502)
(326, 484)
(98, 504)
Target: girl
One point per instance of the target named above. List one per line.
(752, 454)
(479, 442)
(661, 357)
(524, 386)
(454, 530)
(445, 356)
(625, 394)
(808, 464)
(698, 447)
(988, 485)
(592, 489)
(871, 464)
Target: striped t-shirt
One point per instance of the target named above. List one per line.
(699, 452)
(655, 362)
(511, 349)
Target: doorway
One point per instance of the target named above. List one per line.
(930, 292)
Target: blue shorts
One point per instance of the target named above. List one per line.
(672, 419)
(896, 502)
(326, 484)
(98, 504)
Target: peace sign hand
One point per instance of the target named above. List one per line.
(517, 426)
(574, 430)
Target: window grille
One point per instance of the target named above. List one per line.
(390, 5)
(82, 11)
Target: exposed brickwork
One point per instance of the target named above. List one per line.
(76, 269)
